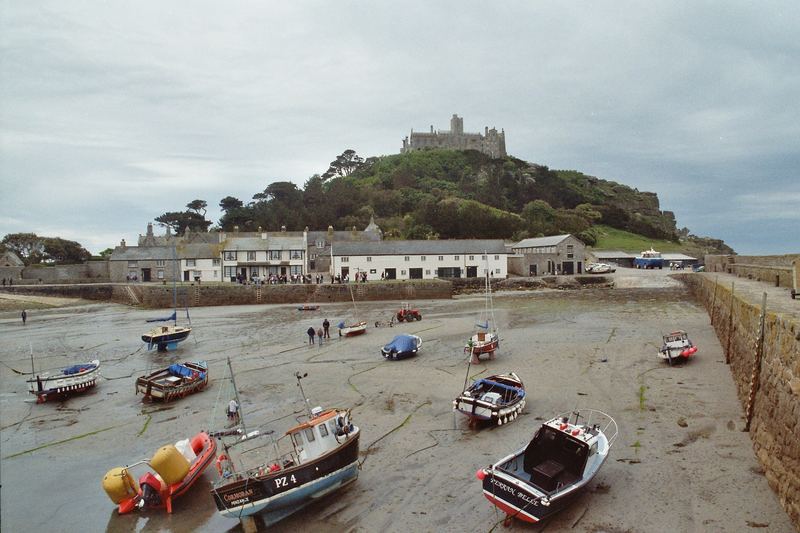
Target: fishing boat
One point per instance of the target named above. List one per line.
(63, 382)
(175, 469)
(498, 399)
(354, 328)
(173, 382)
(322, 457)
(485, 340)
(167, 337)
(648, 259)
(676, 346)
(543, 477)
(402, 347)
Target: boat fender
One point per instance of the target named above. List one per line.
(576, 432)
(562, 426)
(480, 474)
(221, 459)
(274, 467)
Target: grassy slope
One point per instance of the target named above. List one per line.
(616, 239)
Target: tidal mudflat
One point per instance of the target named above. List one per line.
(682, 462)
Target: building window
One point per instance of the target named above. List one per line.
(133, 264)
(216, 274)
(160, 274)
(472, 258)
(496, 270)
(251, 256)
(402, 272)
(312, 257)
(427, 272)
(570, 251)
(195, 274)
(369, 260)
(215, 262)
(345, 259)
(275, 255)
(296, 269)
(441, 258)
(483, 257)
(190, 263)
(422, 258)
(229, 256)
(320, 244)
(497, 258)
(229, 272)
(160, 263)
(296, 254)
(407, 258)
(457, 257)
(373, 271)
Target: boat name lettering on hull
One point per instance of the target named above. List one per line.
(514, 492)
(236, 498)
(283, 482)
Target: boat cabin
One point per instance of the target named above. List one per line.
(558, 453)
(318, 435)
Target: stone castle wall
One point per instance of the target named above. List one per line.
(775, 426)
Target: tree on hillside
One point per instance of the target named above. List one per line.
(229, 203)
(28, 246)
(62, 251)
(197, 205)
(345, 164)
(178, 221)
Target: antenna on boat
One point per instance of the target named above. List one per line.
(469, 364)
(305, 400)
(33, 369)
(236, 393)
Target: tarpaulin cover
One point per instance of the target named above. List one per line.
(401, 343)
(180, 370)
(76, 369)
(491, 383)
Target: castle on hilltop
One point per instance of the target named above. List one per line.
(491, 142)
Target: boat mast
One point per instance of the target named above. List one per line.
(236, 393)
(33, 369)
(175, 285)
(305, 400)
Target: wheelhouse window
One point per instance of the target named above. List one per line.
(323, 430)
(309, 435)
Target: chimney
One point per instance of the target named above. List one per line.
(330, 233)
(122, 244)
(354, 231)
(149, 229)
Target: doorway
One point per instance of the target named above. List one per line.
(415, 273)
(567, 268)
(391, 273)
(145, 274)
(472, 272)
(533, 270)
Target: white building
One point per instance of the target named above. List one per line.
(279, 254)
(462, 258)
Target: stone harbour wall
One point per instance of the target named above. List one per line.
(775, 425)
(775, 269)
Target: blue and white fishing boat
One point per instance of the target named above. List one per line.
(322, 458)
(64, 382)
(649, 259)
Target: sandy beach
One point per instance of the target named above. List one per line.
(681, 463)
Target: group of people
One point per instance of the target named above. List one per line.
(10, 281)
(321, 333)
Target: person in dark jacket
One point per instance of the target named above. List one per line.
(311, 334)
(325, 327)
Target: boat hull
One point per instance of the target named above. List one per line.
(46, 387)
(163, 386)
(518, 502)
(278, 494)
(168, 339)
(353, 330)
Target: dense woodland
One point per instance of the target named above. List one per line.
(445, 194)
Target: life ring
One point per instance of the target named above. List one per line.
(220, 459)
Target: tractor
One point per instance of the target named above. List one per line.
(407, 313)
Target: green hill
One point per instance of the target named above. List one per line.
(454, 194)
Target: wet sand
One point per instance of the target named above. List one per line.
(681, 462)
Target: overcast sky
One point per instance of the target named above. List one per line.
(114, 112)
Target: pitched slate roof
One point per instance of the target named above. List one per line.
(165, 253)
(276, 241)
(535, 242)
(612, 254)
(420, 247)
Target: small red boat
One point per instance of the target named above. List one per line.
(175, 469)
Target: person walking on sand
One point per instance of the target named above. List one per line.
(24, 317)
(326, 326)
(311, 334)
(320, 334)
(233, 411)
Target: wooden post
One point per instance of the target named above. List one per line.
(714, 299)
(754, 378)
(730, 328)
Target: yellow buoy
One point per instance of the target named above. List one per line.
(120, 485)
(170, 464)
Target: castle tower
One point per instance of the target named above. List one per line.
(456, 125)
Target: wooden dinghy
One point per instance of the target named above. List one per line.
(64, 382)
(173, 382)
(498, 399)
